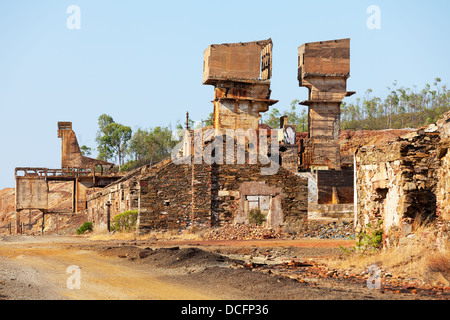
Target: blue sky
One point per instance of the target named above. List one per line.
(141, 61)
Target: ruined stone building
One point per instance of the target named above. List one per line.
(190, 190)
(218, 174)
(187, 192)
(404, 180)
(180, 193)
(309, 177)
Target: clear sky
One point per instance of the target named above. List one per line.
(142, 61)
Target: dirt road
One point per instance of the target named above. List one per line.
(45, 268)
(34, 269)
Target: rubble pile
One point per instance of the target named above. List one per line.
(315, 229)
(332, 230)
(242, 232)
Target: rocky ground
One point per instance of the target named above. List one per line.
(306, 266)
(329, 230)
(271, 269)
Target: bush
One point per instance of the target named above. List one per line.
(371, 239)
(87, 226)
(125, 221)
(256, 217)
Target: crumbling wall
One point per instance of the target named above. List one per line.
(443, 184)
(182, 195)
(288, 195)
(396, 183)
(443, 188)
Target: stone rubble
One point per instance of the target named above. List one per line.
(331, 230)
(242, 232)
(315, 230)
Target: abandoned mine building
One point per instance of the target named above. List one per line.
(291, 177)
(311, 172)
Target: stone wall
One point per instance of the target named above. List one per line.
(288, 195)
(179, 196)
(397, 182)
(443, 188)
(166, 199)
(443, 185)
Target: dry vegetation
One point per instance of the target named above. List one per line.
(423, 255)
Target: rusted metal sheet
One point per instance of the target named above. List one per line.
(31, 189)
(240, 73)
(250, 61)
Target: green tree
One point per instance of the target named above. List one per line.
(151, 146)
(86, 151)
(137, 146)
(401, 108)
(112, 139)
(299, 119)
(273, 118)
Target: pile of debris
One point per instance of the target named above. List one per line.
(242, 232)
(315, 229)
(332, 230)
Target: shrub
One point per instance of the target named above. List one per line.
(371, 239)
(87, 226)
(256, 217)
(125, 221)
